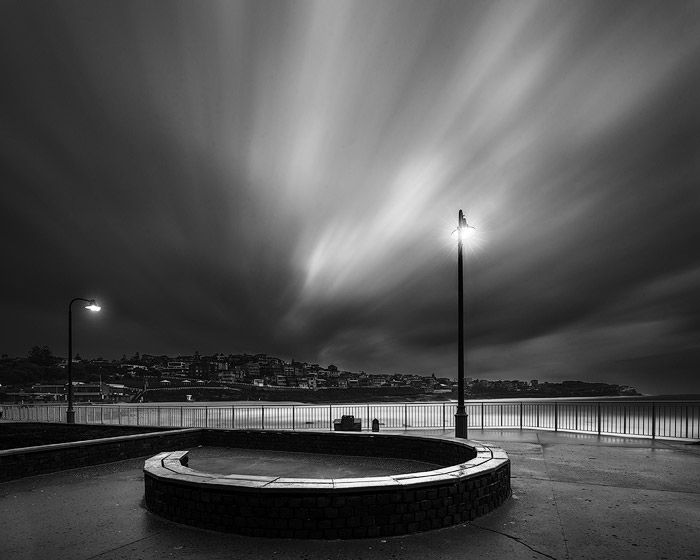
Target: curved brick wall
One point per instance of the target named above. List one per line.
(474, 480)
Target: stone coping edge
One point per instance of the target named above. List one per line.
(171, 466)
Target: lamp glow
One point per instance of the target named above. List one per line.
(464, 233)
(93, 307)
(468, 232)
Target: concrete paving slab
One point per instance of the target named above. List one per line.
(628, 523)
(526, 460)
(445, 544)
(635, 467)
(74, 514)
(529, 517)
(684, 447)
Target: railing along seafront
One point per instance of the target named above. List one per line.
(639, 418)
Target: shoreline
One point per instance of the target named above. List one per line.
(396, 401)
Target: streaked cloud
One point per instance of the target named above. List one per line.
(257, 176)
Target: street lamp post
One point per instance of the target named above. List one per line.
(92, 306)
(461, 417)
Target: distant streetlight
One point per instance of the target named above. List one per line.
(461, 418)
(92, 306)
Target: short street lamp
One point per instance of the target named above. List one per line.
(461, 418)
(92, 306)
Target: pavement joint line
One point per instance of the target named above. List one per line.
(556, 504)
(581, 483)
(123, 545)
(681, 447)
(651, 444)
(268, 483)
(516, 539)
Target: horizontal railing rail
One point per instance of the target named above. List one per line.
(638, 418)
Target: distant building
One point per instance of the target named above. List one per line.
(177, 369)
(227, 376)
(90, 392)
(49, 392)
(118, 391)
(252, 369)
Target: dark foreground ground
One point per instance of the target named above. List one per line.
(574, 497)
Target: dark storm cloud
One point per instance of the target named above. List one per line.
(284, 177)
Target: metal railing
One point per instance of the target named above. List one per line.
(638, 418)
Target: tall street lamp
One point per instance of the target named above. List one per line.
(92, 306)
(461, 417)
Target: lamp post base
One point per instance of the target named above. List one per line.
(70, 417)
(461, 419)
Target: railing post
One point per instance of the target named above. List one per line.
(368, 426)
(653, 420)
(482, 415)
(158, 421)
(330, 417)
(576, 415)
(624, 418)
(233, 417)
(686, 421)
(262, 417)
(206, 416)
(537, 415)
(182, 413)
(119, 415)
(599, 419)
(405, 416)
(138, 413)
(521, 415)
(556, 416)
(102, 416)
(444, 425)
(293, 417)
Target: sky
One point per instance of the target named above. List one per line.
(284, 178)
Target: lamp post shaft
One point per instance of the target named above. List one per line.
(461, 415)
(70, 413)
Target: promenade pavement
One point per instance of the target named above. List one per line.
(574, 497)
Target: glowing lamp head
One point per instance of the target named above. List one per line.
(467, 232)
(464, 233)
(92, 306)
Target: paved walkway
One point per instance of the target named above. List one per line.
(574, 497)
